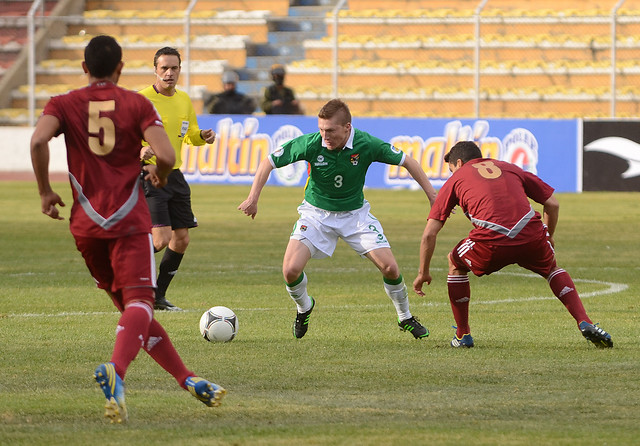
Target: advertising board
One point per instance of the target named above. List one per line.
(548, 148)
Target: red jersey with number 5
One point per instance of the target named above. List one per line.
(103, 125)
(493, 195)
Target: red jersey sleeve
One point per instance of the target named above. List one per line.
(446, 200)
(535, 188)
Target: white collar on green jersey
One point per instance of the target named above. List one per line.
(348, 144)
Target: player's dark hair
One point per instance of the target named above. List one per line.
(332, 108)
(463, 150)
(166, 51)
(102, 56)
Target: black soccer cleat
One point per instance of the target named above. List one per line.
(301, 324)
(163, 304)
(413, 326)
(595, 334)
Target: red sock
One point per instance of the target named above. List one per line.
(459, 296)
(564, 289)
(161, 349)
(131, 335)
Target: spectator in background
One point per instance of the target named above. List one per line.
(230, 101)
(278, 99)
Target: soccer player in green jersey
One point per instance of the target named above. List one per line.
(334, 207)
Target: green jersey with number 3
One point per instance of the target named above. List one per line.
(336, 178)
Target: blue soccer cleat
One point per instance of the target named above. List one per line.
(466, 341)
(209, 393)
(595, 334)
(113, 388)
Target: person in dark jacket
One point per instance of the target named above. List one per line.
(279, 99)
(230, 101)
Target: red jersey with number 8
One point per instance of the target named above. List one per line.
(493, 195)
(103, 125)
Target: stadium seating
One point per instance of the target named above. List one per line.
(400, 58)
(558, 49)
(141, 31)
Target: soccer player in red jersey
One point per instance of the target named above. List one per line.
(494, 196)
(110, 221)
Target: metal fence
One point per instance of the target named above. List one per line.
(481, 62)
(444, 62)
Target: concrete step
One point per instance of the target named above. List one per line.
(315, 10)
(305, 24)
(293, 37)
(253, 88)
(313, 2)
(264, 63)
(293, 51)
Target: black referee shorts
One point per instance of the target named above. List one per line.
(170, 205)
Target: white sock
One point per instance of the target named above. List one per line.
(400, 298)
(299, 295)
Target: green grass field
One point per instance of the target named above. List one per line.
(355, 378)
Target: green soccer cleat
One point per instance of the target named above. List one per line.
(209, 393)
(413, 326)
(113, 388)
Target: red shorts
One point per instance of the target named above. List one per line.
(115, 264)
(485, 258)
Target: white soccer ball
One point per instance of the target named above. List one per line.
(219, 324)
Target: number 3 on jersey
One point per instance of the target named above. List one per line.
(337, 181)
(488, 170)
(104, 123)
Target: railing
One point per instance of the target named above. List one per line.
(31, 20)
(473, 81)
(389, 22)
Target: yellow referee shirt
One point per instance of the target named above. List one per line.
(179, 119)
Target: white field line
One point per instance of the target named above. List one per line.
(609, 288)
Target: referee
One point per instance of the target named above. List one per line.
(170, 206)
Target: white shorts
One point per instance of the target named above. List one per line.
(320, 230)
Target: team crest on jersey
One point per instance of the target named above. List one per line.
(355, 158)
(303, 228)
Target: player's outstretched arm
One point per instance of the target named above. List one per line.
(414, 169)
(250, 205)
(427, 247)
(46, 129)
